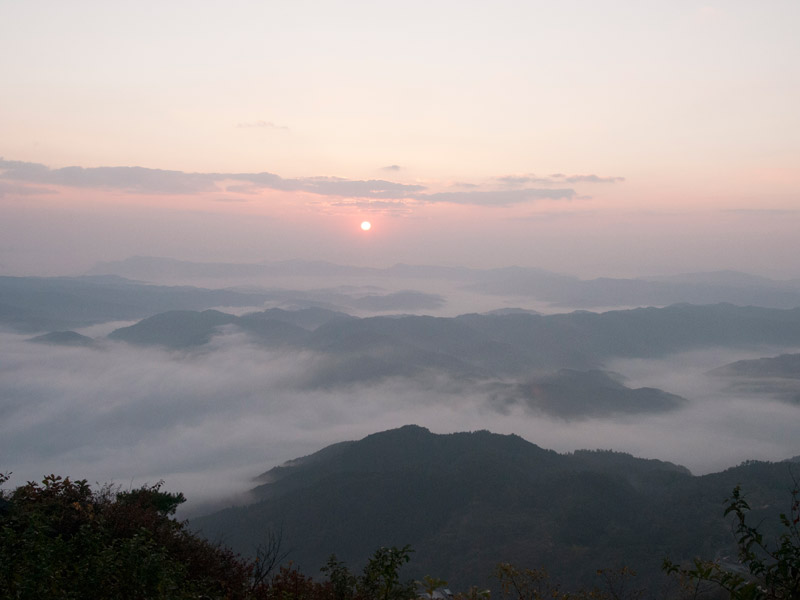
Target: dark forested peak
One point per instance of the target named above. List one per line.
(179, 329)
(571, 394)
(785, 365)
(622, 461)
(63, 338)
(465, 501)
(174, 329)
(408, 448)
(308, 318)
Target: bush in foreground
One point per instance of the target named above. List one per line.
(60, 539)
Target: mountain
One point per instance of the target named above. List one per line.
(778, 376)
(546, 363)
(182, 329)
(174, 329)
(506, 344)
(785, 366)
(63, 338)
(30, 304)
(468, 501)
(572, 394)
(693, 288)
(520, 282)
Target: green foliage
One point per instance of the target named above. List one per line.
(535, 584)
(342, 581)
(474, 593)
(531, 584)
(381, 578)
(430, 584)
(771, 569)
(162, 502)
(60, 539)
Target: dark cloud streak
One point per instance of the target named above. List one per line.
(143, 180)
(499, 198)
(555, 179)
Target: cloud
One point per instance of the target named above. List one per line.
(556, 178)
(261, 125)
(392, 168)
(520, 180)
(131, 179)
(373, 188)
(208, 421)
(22, 190)
(375, 205)
(592, 179)
(763, 212)
(498, 198)
(144, 180)
(147, 181)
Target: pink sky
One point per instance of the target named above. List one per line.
(596, 138)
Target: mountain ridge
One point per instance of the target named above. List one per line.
(467, 501)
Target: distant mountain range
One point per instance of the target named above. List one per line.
(468, 501)
(516, 343)
(552, 364)
(117, 290)
(31, 304)
(545, 286)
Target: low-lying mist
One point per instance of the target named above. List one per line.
(209, 420)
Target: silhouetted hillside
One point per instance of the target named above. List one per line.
(509, 344)
(63, 338)
(785, 365)
(778, 376)
(579, 394)
(558, 289)
(468, 501)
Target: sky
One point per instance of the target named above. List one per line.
(596, 138)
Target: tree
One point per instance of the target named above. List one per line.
(381, 577)
(342, 581)
(60, 539)
(771, 570)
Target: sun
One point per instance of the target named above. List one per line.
(366, 225)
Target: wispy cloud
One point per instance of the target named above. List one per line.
(131, 179)
(375, 205)
(763, 212)
(21, 190)
(261, 125)
(498, 198)
(592, 179)
(392, 168)
(554, 179)
(142, 180)
(520, 180)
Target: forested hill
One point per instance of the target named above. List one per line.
(468, 501)
(489, 343)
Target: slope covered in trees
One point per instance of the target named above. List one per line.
(466, 502)
(61, 539)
